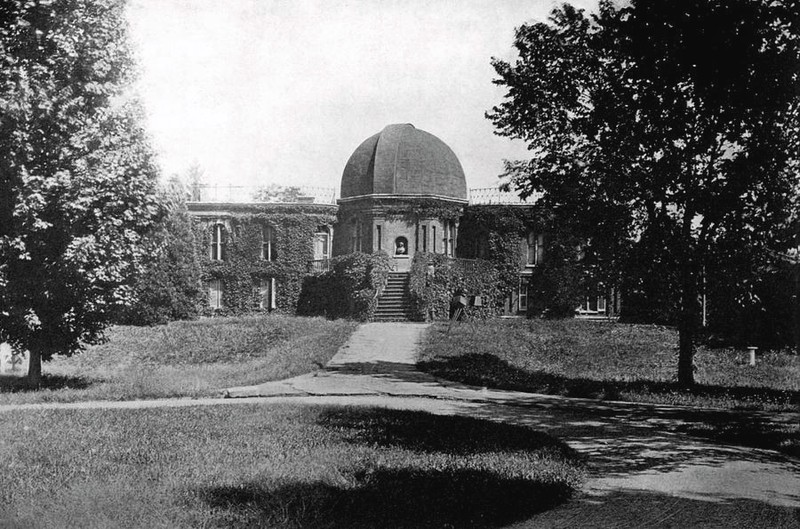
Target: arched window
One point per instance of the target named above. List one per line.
(268, 247)
(401, 246)
(217, 248)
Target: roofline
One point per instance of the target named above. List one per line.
(402, 196)
(239, 205)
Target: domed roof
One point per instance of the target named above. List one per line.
(404, 160)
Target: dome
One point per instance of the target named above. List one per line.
(404, 160)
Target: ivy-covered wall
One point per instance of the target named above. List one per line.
(498, 234)
(350, 289)
(435, 279)
(242, 265)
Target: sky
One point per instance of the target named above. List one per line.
(260, 92)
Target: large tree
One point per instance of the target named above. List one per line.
(671, 122)
(77, 178)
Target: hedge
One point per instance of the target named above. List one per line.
(350, 289)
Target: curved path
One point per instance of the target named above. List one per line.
(649, 465)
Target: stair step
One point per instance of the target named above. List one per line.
(394, 304)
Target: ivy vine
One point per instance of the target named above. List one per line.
(436, 278)
(243, 267)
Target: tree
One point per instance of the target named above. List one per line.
(277, 193)
(661, 115)
(169, 287)
(194, 179)
(77, 178)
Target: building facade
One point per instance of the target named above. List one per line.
(402, 192)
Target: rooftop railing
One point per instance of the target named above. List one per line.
(492, 195)
(328, 195)
(246, 194)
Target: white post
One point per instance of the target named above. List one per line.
(752, 355)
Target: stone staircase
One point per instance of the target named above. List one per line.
(394, 304)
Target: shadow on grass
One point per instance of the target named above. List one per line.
(14, 384)
(754, 429)
(423, 432)
(640, 508)
(390, 498)
(414, 485)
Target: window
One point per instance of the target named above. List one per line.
(268, 249)
(217, 249)
(356, 235)
(321, 244)
(264, 293)
(593, 305)
(535, 249)
(379, 236)
(215, 294)
(424, 238)
(523, 294)
(433, 237)
(449, 236)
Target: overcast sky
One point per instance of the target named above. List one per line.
(266, 91)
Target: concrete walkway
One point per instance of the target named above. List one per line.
(649, 465)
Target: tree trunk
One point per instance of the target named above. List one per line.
(35, 368)
(796, 273)
(686, 325)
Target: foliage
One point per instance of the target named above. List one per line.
(243, 265)
(497, 234)
(563, 280)
(767, 322)
(169, 288)
(278, 466)
(436, 278)
(350, 289)
(277, 193)
(78, 178)
(186, 359)
(419, 209)
(650, 115)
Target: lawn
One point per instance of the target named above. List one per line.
(186, 359)
(580, 358)
(275, 466)
(603, 360)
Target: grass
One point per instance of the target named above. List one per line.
(186, 359)
(275, 466)
(601, 360)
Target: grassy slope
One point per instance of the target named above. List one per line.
(276, 466)
(602, 360)
(619, 362)
(192, 358)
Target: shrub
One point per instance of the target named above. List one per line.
(350, 289)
